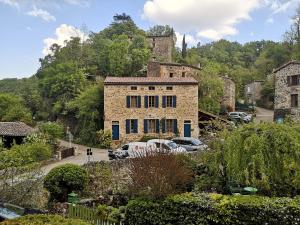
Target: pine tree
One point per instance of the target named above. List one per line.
(184, 47)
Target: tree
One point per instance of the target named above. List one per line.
(184, 48)
(160, 30)
(63, 180)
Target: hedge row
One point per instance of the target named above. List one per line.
(204, 209)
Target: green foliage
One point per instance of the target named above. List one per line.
(213, 209)
(160, 30)
(63, 180)
(265, 156)
(104, 138)
(43, 219)
(109, 213)
(52, 130)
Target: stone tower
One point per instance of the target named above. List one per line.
(162, 47)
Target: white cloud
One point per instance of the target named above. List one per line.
(62, 34)
(83, 3)
(189, 39)
(210, 19)
(45, 15)
(252, 34)
(270, 21)
(279, 6)
(12, 3)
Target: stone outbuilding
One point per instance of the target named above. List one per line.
(253, 91)
(14, 132)
(161, 107)
(287, 91)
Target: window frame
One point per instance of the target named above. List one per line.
(151, 101)
(151, 122)
(169, 101)
(136, 101)
(294, 100)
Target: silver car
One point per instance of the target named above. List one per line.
(190, 144)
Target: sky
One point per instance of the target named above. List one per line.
(30, 27)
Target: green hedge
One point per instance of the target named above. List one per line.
(43, 219)
(210, 209)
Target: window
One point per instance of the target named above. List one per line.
(152, 126)
(169, 101)
(151, 88)
(183, 74)
(169, 88)
(133, 101)
(134, 88)
(293, 80)
(131, 126)
(171, 74)
(169, 126)
(151, 101)
(294, 100)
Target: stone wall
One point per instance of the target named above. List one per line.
(162, 47)
(283, 92)
(228, 99)
(115, 108)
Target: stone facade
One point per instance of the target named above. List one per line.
(253, 91)
(117, 111)
(287, 91)
(169, 70)
(162, 47)
(228, 99)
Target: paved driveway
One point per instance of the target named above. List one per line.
(265, 115)
(80, 158)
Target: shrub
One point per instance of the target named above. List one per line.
(43, 219)
(207, 209)
(265, 156)
(156, 175)
(65, 179)
(104, 138)
(52, 130)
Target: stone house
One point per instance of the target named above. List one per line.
(228, 99)
(139, 106)
(287, 91)
(162, 47)
(253, 91)
(172, 70)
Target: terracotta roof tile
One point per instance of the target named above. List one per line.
(17, 129)
(150, 80)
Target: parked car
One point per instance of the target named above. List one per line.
(130, 150)
(240, 117)
(190, 144)
(167, 145)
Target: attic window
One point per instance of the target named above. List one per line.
(169, 88)
(171, 74)
(133, 88)
(151, 88)
(183, 74)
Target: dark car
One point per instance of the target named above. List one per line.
(190, 144)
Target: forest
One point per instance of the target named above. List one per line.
(68, 86)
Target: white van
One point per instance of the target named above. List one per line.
(167, 145)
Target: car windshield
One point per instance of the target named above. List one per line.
(172, 145)
(244, 114)
(197, 142)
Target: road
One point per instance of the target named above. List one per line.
(80, 158)
(265, 115)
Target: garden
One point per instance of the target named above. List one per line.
(250, 175)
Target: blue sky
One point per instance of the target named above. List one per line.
(28, 25)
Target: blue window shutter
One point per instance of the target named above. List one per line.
(163, 126)
(127, 126)
(146, 101)
(139, 102)
(174, 101)
(157, 126)
(156, 101)
(164, 101)
(128, 101)
(146, 126)
(135, 125)
(175, 126)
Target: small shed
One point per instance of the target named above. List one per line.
(14, 132)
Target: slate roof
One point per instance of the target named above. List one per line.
(285, 65)
(16, 129)
(149, 80)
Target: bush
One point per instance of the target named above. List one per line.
(52, 130)
(43, 219)
(157, 175)
(265, 156)
(65, 179)
(207, 209)
(104, 138)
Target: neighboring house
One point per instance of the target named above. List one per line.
(138, 106)
(287, 91)
(228, 99)
(253, 91)
(172, 70)
(162, 47)
(14, 132)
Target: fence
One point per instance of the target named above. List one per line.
(87, 214)
(67, 152)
